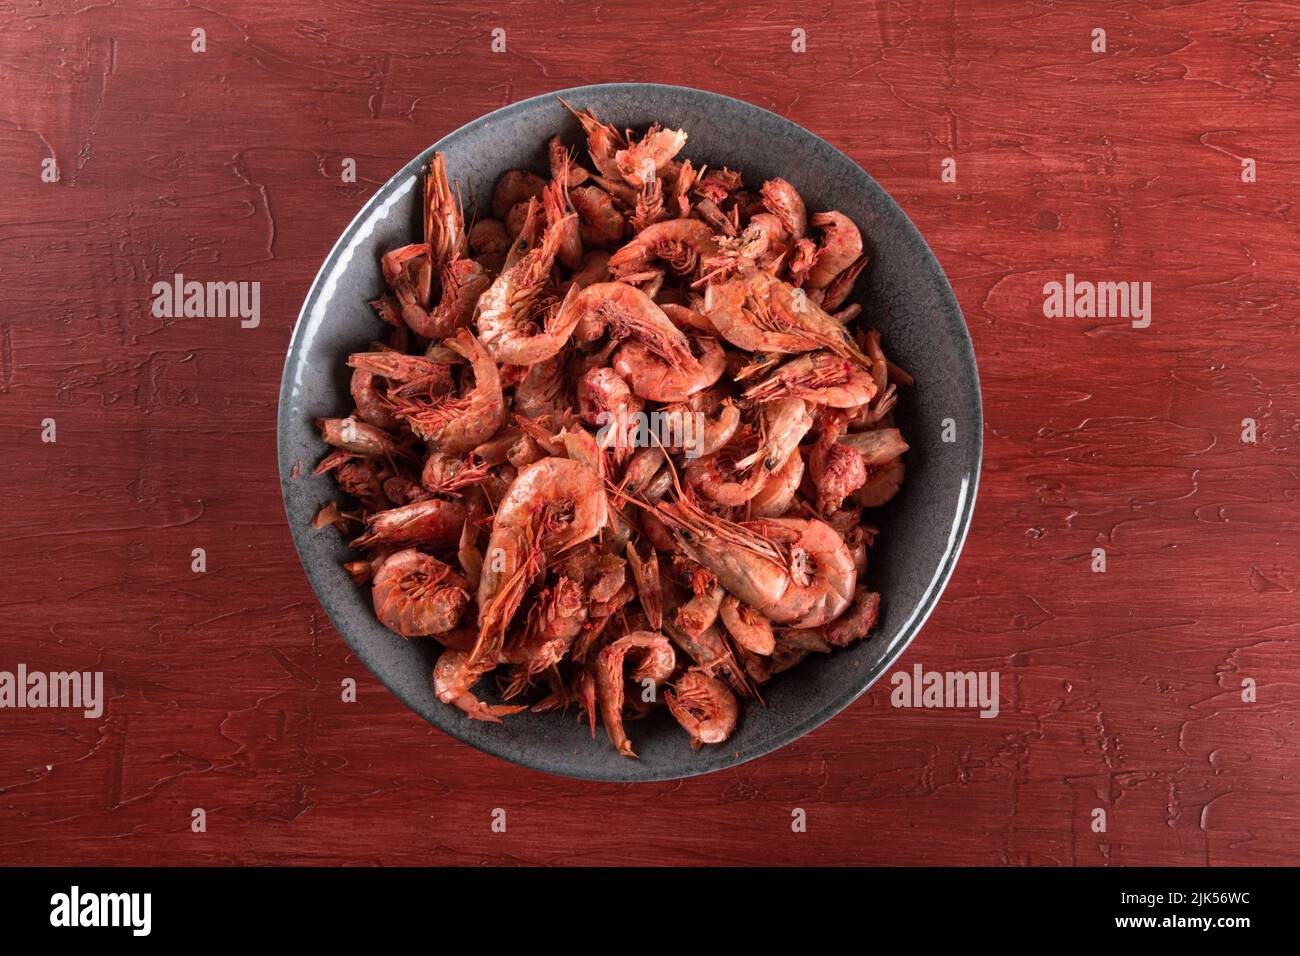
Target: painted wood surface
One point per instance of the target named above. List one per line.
(1120, 690)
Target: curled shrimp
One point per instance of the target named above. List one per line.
(701, 612)
(687, 426)
(552, 505)
(455, 675)
(555, 620)
(748, 628)
(653, 377)
(463, 281)
(855, 623)
(627, 312)
(704, 706)
(656, 665)
(682, 243)
(605, 400)
(506, 311)
(840, 247)
(792, 570)
(415, 594)
(409, 273)
(458, 424)
(370, 401)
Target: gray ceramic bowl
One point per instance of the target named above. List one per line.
(904, 294)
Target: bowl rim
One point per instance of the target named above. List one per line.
(907, 632)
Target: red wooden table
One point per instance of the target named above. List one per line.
(1121, 690)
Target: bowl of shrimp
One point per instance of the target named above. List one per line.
(629, 432)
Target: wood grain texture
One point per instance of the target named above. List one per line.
(1120, 690)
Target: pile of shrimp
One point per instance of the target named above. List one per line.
(510, 508)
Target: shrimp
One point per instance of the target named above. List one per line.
(605, 400)
(555, 620)
(370, 401)
(562, 165)
(821, 378)
(777, 494)
(552, 505)
(433, 521)
(651, 376)
(645, 575)
(783, 201)
(836, 469)
(444, 224)
(881, 485)
(688, 428)
(445, 474)
(701, 612)
(821, 570)
(704, 706)
(415, 594)
(792, 570)
(360, 438)
(878, 447)
(603, 141)
(682, 243)
(561, 216)
(506, 310)
(842, 284)
(649, 206)
(458, 424)
(840, 247)
(657, 663)
(515, 186)
(748, 628)
(453, 679)
(599, 222)
(463, 281)
(763, 314)
(642, 161)
(409, 273)
(716, 476)
(626, 311)
(855, 623)
(543, 389)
